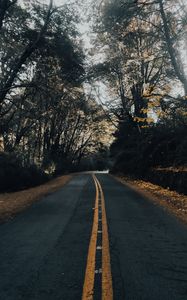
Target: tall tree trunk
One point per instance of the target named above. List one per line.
(140, 103)
(179, 70)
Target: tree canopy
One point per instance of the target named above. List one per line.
(144, 67)
(51, 112)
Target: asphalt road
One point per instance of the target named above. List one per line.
(49, 251)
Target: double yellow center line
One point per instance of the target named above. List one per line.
(88, 289)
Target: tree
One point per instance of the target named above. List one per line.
(24, 55)
(5, 5)
(170, 40)
(141, 65)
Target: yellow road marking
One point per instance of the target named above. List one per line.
(88, 288)
(107, 289)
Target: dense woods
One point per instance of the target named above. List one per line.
(145, 69)
(48, 122)
(51, 119)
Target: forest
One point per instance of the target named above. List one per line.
(53, 118)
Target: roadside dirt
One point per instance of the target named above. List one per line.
(174, 202)
(13, 203)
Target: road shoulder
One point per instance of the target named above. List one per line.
(172, 201)
(14, 203)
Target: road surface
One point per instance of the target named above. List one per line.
(93, 239)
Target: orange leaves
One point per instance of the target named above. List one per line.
(144, 120)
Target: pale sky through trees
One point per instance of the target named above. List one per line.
(102, 95)
(85, 29)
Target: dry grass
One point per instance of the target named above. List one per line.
(13, 203)
(174, 202)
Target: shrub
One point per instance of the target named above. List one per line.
(13, 176)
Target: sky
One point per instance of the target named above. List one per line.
(57, 2)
